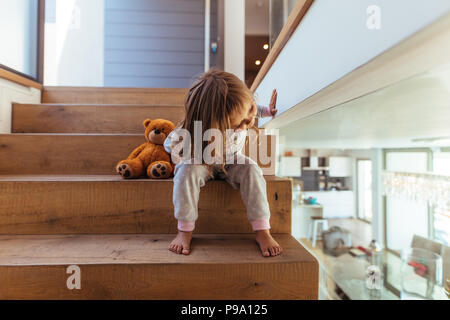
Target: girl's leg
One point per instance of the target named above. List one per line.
(188, 180)
(249, 179)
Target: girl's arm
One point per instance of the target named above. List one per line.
(168, 144)
(270, 110)
(263, 111)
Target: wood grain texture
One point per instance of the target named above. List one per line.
(295, 17)
(107, 204)
(140, 267)
(72, 118)
(103, 95)
(11, 76)
(65, 153)
(79, 153)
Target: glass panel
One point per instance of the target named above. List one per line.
(18, 34)
(400, 127)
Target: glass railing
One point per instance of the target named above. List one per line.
(388, 107)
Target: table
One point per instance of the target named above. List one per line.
(348, 273)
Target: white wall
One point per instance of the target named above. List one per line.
(12, 92)
(74, 43)
(333, 39)
(234, 41)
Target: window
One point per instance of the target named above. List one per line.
(364, 185)
(406, 217)
(441, 213)
(441, 162)
(19, 36)
(441, 217)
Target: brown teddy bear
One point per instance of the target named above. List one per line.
(149, 158)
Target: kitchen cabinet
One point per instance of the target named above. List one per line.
(290, 167)
(340, 166)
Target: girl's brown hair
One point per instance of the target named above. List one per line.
(212, 99)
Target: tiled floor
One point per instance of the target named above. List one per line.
(361, 236)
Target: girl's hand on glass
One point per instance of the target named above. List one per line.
(273, 103)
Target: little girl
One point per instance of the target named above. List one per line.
(221, 101)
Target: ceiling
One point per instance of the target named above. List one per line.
(254, 50)
(411, 113)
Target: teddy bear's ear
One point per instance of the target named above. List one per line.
(146, 122)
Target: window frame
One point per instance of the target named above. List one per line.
(357, 190)
(432, 208)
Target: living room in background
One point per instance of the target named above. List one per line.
(381, 94)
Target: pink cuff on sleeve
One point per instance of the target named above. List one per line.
(267, 112)
(261, 224)
(186, 226)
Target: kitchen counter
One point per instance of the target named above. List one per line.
(336, 204)
(301, 218)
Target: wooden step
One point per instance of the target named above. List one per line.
(65, 153)
(36, 153)
(222, 266)
(104, 95)
(58, 204)
(75, 118)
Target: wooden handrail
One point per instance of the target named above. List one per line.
(16, 78)
(291, 25)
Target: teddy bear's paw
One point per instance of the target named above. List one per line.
(125, 170)
(159, 171)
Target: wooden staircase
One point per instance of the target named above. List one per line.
(62, 204)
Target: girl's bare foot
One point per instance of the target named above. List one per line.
(181, 243)
(269, 247)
